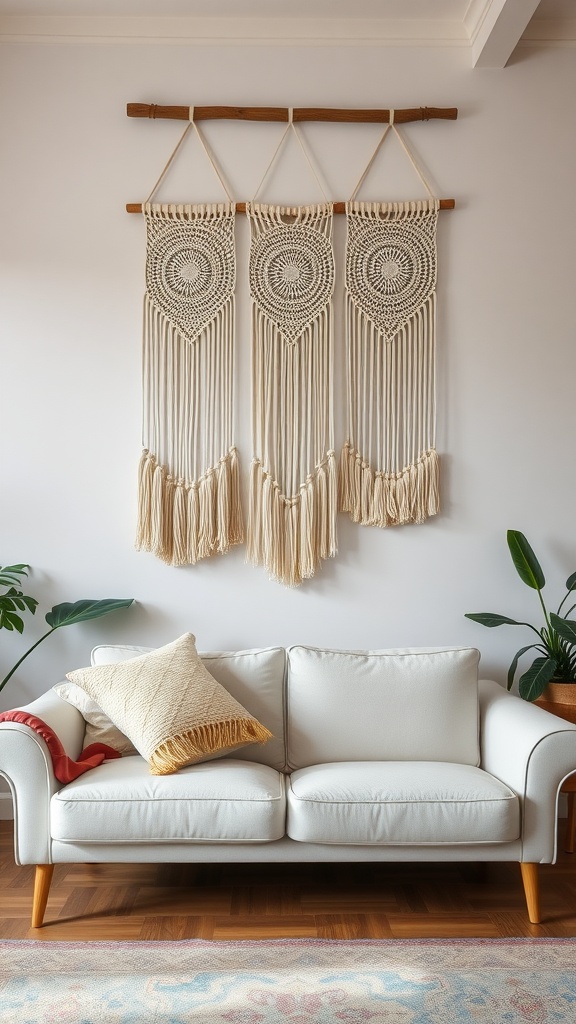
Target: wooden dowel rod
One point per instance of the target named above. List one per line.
(375, 116)
(155, 111)
(445, 204)
(401, 116)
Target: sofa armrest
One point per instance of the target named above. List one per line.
(26, 764)
(532, 751)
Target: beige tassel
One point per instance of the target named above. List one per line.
(193, 524)
(157, 511)
(223, 504)
(206, 497)
(236, 526)
(146, 472)
(180, 525)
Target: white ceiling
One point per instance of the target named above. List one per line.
(491, 29)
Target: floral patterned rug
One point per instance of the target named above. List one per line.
(300, 981)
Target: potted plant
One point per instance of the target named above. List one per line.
(551, 678)
(13, 602)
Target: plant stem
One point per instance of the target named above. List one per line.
(546, 617)
(29, 651)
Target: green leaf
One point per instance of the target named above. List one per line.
(81, 611)
(492, 619)
(566, 628)
(10, 574)
(527, 565)
(571, 582)
(533, 683)
(514, 664)
(10, 620)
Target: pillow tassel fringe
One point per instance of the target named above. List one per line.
(211, 738)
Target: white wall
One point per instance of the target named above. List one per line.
(71, 285)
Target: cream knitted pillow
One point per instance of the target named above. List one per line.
(170, 707)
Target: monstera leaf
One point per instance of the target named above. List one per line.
(60, 615)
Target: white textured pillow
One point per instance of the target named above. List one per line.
(170, 707)
(99, 728)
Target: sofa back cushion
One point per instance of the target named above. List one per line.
(413, 704)
(255, 678)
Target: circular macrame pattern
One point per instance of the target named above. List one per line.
(291, 276)
(190, 271)
(390, 270)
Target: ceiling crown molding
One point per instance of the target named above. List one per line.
(490, 30)
(239, 31)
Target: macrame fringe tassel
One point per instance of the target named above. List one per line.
(389, 499)
(202, 741)
(183, 522)
(290, 537)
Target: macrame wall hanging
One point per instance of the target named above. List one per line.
(189, 500)
(189, 495)
(293, 477)
(389, 465)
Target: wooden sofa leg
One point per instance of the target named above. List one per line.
(531, 891)
(42, 882)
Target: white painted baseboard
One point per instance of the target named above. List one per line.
(6, 809)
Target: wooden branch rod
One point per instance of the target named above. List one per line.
(445, 204)
(401, 116)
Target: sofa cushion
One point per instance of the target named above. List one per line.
(254, 677)
(216, 801)
(398, 802)
(397, 705)
(170, 707)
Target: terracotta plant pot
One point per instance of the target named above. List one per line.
(560, 699)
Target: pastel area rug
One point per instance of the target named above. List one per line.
(427, 981)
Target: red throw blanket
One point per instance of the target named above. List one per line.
(65, 769)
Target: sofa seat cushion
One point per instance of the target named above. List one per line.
(400, 802)
(215, 801)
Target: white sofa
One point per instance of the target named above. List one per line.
(376, 756)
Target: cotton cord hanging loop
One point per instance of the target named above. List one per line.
(168, 164)
(191, 126)
(411, 156)
(291, 127)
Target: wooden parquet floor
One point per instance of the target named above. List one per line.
(348, 901)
